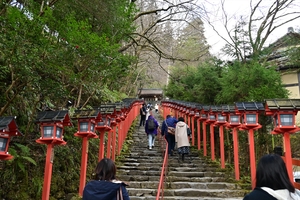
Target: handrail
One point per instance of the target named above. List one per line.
(295, 162)
(160, 189)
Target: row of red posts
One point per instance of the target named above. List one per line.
(112, 119)
(240, 116)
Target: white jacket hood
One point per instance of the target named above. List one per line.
(282, 194)
(181, 124)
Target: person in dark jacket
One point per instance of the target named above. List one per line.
(143, 112)
(169, 122)
(151, 133)
(105, 186)
(272, 181)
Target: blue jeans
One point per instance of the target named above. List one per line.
(171, 142)
(151, 140)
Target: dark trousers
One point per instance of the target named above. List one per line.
(143, 119)
(171, 142)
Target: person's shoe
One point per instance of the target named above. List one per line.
(150, 148)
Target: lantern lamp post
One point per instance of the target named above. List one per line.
(188, 114)
(203, 118)
(197, 118)
(51, 125)
(211, 119)
(249, 112)
(192, 126)
(103, 125)
(221, 122)
(110, 146)
(119, 125)
(284, 112)
(8, 129)
(86, 129)
(233, 122)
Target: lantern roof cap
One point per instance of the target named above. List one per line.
(10, 123)
(107, 108)
(206, 108)
(79, 114)
(199, 106)
(53, 116)
(282, 104)
(228, 108)
(249, 106)
(215, 108)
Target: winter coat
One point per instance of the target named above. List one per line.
(270, 194)
(95, 190)
(171, 121)
(156, 126)
(143, 109)
(181, 136)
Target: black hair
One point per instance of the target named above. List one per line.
(181, 119)
(271, 172)
(168, 116)
(105, 170)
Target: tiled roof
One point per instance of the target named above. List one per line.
(150, 92)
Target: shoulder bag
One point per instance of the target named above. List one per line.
(171, 130)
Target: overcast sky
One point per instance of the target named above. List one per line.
(239, 7)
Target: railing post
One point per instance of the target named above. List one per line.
(212, 142)
(221, 134)
(204, 139)
(288, 156)
(252, 157)
(236, 153)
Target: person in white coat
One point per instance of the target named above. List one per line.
(182, 139)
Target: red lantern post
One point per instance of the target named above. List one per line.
(197, 118)
(119, 126)
(8, 129)
(203, 118)
(192, 126)
(51, 126)
(233, 122)
(249, 112)
(103, 126)
(188, 114)
(114, 124)
(211, 119)
(86, 129)
(283, 112)
(221, 121)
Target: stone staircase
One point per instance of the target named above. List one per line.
(194, 179)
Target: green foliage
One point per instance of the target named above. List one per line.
(219, 83)
(199, 84)
(250, 82)
(48, 55)
(22, 156)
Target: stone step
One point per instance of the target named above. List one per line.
(153, 184)
(197, 178)
(183, 198)
(131, 178)
(187, 192)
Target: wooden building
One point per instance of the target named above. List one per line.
(150, 95)
(285, 54)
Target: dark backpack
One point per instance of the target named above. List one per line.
(151, 124)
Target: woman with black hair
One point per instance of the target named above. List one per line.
(105, 185)
(272, 181)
